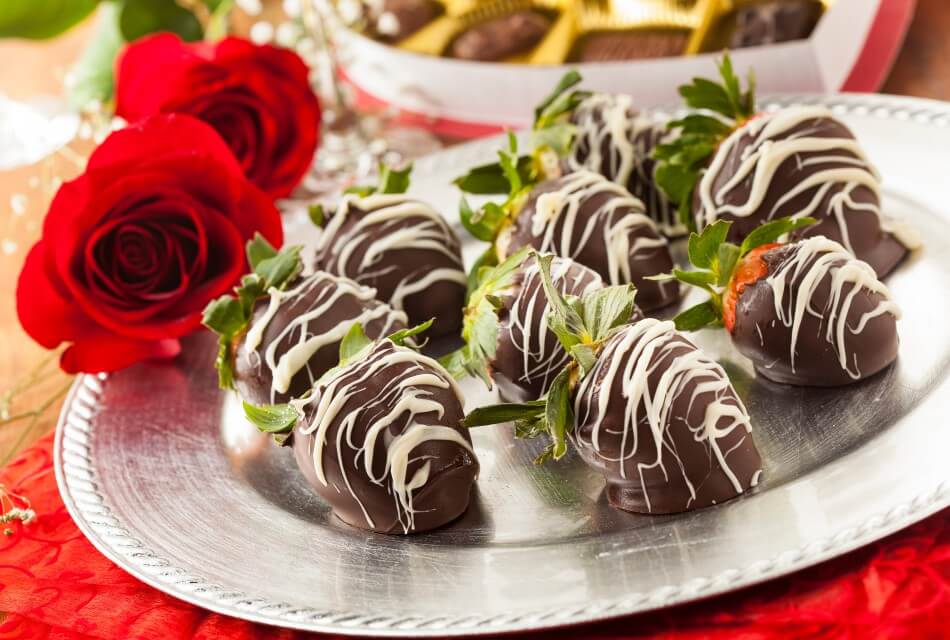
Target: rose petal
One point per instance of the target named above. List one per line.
(102, 352)
(45, 314)
(162, 135)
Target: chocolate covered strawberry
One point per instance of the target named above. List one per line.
(805, 312)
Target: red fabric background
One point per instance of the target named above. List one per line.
(54, 584)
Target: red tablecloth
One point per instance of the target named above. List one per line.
(54, 584)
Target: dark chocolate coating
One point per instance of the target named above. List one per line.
(772, 22)
(528, 355)
(501, 37)
(607, 46)
(370, 389)
(596, 149)
(350, 303)
(860, 207)
(403, 242)
(762, 336)
(687, 472)
(408, 16)
(605, 214)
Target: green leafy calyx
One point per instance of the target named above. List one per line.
(487, 283)
(722, 108)
(391, 181)
(582, 325)
(229, 315)
(715, 261)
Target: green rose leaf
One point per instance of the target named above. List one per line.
(138, 18)
(39, 19)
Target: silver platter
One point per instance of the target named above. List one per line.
(162, 474)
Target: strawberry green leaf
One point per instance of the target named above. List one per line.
(563, 318)
(272, 418)
(558, 413)
(726, 262)
(393, 180)
(317, 215)
(354, 342)
(698, 317)
(484, 222)
(506, 412)
(557, 101)
(605, 309)
(490, 179)
(259, 249)
(701, 279)
(400, 337)
(703, 247)
(772, 231)
(281, 269)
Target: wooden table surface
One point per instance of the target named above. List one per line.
(31, 69)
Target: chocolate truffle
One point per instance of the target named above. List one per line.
(402, 248)
(501, 37)
(596, 222)
(771, 22)
(294, 335)
(617, 141)
(380, 441)
(801, 161)
(527, 353)
(817, 317)
(395, 20)
(607, 46)
(662, 422)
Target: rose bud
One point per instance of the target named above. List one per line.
(805, 313)
(379, 437)
(651, 412)
(580, 215)
(281, 331)
(258, 97)
(750, 168)
(400, 246)
(507, 338)
(604, 133)
(135, 247)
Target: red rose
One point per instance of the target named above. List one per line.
(257, 97)
(134, 248)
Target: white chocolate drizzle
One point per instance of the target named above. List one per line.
(402, 397)
(633, 356)
(796, 280)
(543, 357)
(610, 122)
(837, 167)
(381, 230)
(619, 224)
(304, 340)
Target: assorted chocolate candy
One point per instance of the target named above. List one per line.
(559, 31)
(401, 247)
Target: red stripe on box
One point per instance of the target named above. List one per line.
(881, 47)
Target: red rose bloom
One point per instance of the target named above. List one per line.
(134, 248)
(257, 97)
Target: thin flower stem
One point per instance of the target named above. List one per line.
(28, 430)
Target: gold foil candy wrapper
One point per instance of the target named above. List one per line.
(600, 30)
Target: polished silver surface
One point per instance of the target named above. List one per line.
(162, 473)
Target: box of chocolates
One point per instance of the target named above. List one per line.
(470, 67)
